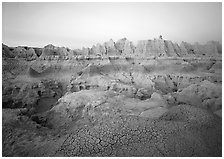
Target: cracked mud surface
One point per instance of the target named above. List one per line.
(171, 135)
(61, 103)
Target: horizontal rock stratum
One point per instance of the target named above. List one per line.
(155, 98)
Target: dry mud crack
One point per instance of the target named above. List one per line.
(115, 99)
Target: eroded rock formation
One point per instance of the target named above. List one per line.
(157, 98)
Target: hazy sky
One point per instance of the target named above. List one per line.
(83, 24)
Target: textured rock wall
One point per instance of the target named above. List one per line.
(123, 47)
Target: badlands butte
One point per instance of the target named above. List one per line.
(157, 98)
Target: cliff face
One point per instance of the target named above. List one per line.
(211, 48)
(158, 48)
(123, 47)
(19, 52)
(51, 50)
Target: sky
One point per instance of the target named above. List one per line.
(77, 25)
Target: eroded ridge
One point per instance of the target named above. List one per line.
(157, 98)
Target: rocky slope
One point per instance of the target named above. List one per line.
(114, 99)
